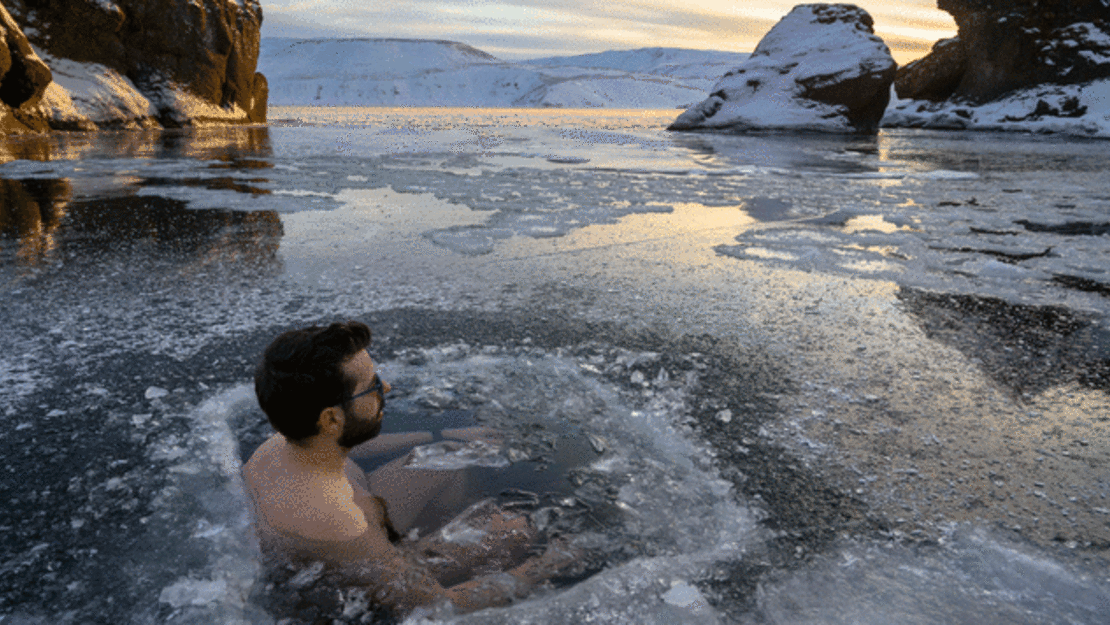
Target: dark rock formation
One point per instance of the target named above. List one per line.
(1006, 45)
(936, 76)
(820, 68)
(187, 57)
(23, 75)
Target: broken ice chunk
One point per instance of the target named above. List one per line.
(598, 443)
(154, 392)
(663, 377)
(449, 455)
(307, 576)
(684, 595)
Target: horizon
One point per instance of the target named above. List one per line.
(413, 39)
(518, 30)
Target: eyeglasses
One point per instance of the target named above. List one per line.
(375, 386)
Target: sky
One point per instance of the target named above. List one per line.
(520, 29)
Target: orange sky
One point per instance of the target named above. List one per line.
(516, 29)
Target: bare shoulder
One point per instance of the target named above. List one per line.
(296, 504)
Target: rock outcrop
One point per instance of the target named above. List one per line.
(1004, 46)
(145, 62)
(820, 68)
(1025, 65)
(24, 77)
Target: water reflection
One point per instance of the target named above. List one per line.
(47, 226)
(31, 211)
(832, 153)
(36, 147)
(992, 151)
(46, 220)
(165, 227)
(222, 183)
(240, 146)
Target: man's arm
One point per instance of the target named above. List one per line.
(396, 579)
(385, 443)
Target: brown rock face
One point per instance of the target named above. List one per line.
(1007, 45)
(23, 75)
(936, 76)
(207, 47)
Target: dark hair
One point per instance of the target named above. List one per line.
(301, 373)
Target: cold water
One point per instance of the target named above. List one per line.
(770, 378)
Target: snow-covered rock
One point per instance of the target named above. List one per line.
(410, 72)
(87, 96)
(145, 62)
(1026, 65)
(1003, 47)
(820, 68)
(1068, 109)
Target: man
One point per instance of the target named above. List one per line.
(320, 390)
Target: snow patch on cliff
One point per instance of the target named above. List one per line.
(1082, 110)
(85, 96)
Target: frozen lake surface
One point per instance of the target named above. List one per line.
(816, 379)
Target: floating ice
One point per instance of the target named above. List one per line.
(684, 595)
(185, 592)
(155, 392)
(451, 455)
(971, 578)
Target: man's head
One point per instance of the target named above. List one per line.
(305, 373)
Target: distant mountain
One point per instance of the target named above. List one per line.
(707, 65)
(411, 72)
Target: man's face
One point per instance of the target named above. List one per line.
(362, 415)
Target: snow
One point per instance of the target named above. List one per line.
(411, 72)
(191, 109)
(766, 91)
(1082, 110)
(1086, 34)
(86, 96)
(706, 66)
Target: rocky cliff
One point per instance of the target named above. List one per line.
(140, 62)
(1006, 45)
(1023, 65)
(23, 75)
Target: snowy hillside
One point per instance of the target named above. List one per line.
(407, 72)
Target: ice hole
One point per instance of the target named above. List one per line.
(581, 450)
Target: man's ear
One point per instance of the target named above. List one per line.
(331, 420)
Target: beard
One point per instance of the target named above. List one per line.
(357, 430)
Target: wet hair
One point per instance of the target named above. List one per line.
(301, 373)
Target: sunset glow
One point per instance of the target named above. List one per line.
(519, 29)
